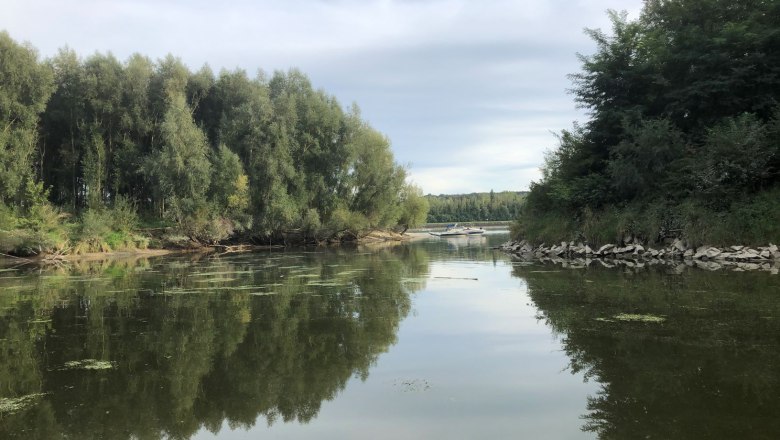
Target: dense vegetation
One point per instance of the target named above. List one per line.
(684, 131)
(473, 207)
(88, 145)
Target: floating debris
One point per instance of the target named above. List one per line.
(639, 318)
(10, 405)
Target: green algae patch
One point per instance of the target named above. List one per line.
(88, 364)
(10, 405)
(633, 317)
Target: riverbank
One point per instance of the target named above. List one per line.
(159, 247)
(677, 253)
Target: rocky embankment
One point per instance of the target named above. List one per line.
(737, 258)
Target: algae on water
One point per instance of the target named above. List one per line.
(9, 405)
(89, 364)
(639, 318)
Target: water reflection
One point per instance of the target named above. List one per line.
(706, 366)
(172, 345)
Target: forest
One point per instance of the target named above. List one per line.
(93, 148)
(492, 206)
(683, 135)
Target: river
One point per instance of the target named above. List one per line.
(434, 339)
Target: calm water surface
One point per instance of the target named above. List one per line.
(442, 338)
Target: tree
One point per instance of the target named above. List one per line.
(180, 169)
(26, 87)
(414, 207)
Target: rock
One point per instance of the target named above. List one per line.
(588, 250)
(688, 253)
(605, 248)
(639, 249)
(772, 248)
(679, 245)
(765, 254)
(737, 248)
(653, 253)
(712, 252)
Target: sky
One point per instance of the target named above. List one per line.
(470, 93)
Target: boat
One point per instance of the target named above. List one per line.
(451, 230)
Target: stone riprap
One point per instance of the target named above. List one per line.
(634, 254)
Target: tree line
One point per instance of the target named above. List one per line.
(217, 155)
(492, 206)
(683, 136)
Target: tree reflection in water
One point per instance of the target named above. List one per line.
(710, 369)
(195, 341)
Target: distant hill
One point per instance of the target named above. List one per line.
(488, 206)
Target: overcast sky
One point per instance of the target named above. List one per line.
(469, 92)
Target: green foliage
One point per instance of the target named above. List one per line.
(124, 216)
(216, 156)
(26, 86)
(414, 207)
(503, 205)
(34, 228)
(683, 135)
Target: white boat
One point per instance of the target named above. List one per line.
(451, 230)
